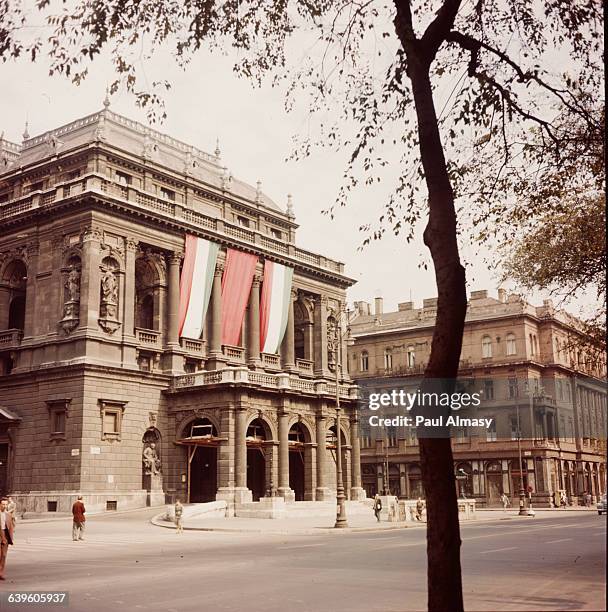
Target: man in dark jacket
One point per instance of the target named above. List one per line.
(78, 511)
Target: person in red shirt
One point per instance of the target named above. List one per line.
(78, 511)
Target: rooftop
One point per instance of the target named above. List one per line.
(134, 138)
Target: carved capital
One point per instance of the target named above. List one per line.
(131, 245)
(91, 233)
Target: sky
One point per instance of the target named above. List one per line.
(208, 102)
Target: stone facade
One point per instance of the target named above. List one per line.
(530, 362)
(99, 395)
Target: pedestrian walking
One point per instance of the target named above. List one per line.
(6, 534)
(377, 506)
(78, 511)
(178, 511)
(563, 500)
(419, 509)
(505, 501)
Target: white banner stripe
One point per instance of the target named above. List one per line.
(193, 325)
(276, 306)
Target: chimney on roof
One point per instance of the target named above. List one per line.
(479, 295)
(502, 295)
(405, 306)
(378, 306)
(362, 308)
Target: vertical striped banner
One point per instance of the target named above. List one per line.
(195, 285)
(274, 305)
(236, 286)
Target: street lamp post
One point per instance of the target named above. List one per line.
(341, 521)
(522, 492)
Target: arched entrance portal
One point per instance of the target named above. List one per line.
(297, 438)
(201, 440)
(256, 459)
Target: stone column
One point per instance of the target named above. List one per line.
(284, 489)
(320, 340)
(357, 491)
(30, 322)
(173, 360)
(287, 346)
(215, 335)
(253, 325)
(173, 262)
(322, 492)
(129, 357)
(90, 282)
(242, 494)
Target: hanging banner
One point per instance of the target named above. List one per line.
(236, 286)
(274, 305)
(195, 285)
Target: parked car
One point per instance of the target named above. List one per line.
(601, 505)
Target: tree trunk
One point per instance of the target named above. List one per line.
(443, 530)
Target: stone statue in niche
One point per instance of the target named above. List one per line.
(151, 460)
(108, 310)
(72, 300)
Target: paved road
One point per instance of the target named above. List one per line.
(554, 563)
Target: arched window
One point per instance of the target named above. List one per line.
(13, 295)
(147, 283)
(411, 356)
(486, 347)
(364, 361)
(388, 359)
(511, 346)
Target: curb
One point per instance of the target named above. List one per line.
(65, 517)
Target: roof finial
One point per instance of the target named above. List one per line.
(26, 134)
(290, 212)
(217, 151)
(106, 100)
(258, 192)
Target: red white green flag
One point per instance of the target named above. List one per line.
(195, 286)
(274, 305)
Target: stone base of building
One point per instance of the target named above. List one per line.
(357, 494)
(267, 508)
(324, 494)
(60, 502)
(287, 494)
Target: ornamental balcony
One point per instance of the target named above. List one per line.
(10, 339)
(266, 380)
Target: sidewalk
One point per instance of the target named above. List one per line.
(321, 524)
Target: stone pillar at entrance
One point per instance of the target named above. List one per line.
(128, 305)
(242, 493)
(284, 490)
(322, 492)
(357, 492)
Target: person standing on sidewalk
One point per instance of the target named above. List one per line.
(179, 510)
(6, 535)
(377, 506)
(78, 511)
(419, 509)
(505, 501)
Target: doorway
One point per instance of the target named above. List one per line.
(203, 474)
(296, 473)
(256, 472)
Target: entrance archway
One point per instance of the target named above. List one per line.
(256, 459)
(297, 439)
(201, 439)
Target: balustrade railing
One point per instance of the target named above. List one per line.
(10, 337)
(95, 182)
(148, 337)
